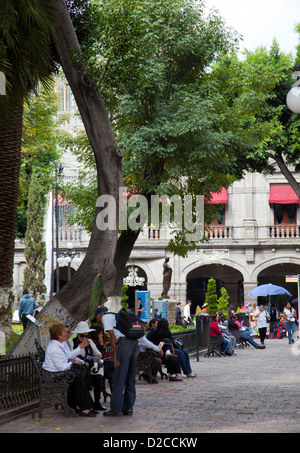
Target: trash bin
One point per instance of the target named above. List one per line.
(203, 329)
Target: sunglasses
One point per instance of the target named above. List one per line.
(82, 335)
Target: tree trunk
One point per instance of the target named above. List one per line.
(10, 155)
(72, 303)
(287, 174)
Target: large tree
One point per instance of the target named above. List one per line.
(72, 303)
(176, 125)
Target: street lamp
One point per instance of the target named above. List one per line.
(293, 96)
(67, 257)
(59, 172)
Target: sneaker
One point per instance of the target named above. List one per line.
(191, 375)
(175, 378)
(262, 346)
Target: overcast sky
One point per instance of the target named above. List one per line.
(259, 21)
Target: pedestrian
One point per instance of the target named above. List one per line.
(27, 306)
(187, 314)
(262, 318)
(178, 316)
(125, 352)
(289, 316)
(274, 319)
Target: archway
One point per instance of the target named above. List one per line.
(226, 276)
(276, 274)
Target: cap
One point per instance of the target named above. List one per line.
(98, 311)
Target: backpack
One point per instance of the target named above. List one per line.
(177, 343)
(129, 325)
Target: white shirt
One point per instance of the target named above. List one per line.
(145, 344)
(290, 314)
(261, 320)
(187, 311)
(109, 323)
(56, 357)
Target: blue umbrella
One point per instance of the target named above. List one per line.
(269, 290)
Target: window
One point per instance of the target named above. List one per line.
(285, 214)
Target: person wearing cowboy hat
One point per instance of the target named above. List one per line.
(86, 355)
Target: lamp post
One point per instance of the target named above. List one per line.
(293, 103)
(67, 257)
(59, 171)
(293, 96)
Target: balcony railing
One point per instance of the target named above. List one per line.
(220, 232)
(284, 231)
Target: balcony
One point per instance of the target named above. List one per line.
(284, 231)
(220, 232)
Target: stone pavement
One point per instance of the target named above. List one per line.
(256, 391)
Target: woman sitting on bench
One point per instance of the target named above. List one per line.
(56, 359)
(215, 331)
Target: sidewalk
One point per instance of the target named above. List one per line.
(256, 391)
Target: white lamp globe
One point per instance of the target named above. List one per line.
(293, 99)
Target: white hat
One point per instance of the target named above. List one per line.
(82, 327)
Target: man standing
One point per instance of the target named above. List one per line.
(178, 317)
(27, 306)
(125, 352)
(187, 314)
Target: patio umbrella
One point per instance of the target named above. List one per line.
(269, 290)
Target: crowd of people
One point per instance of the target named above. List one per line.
(85, 356)
(235, 331)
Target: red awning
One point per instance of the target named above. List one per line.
(283, 194)
(219, 198)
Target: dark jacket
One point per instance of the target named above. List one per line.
(232, 326)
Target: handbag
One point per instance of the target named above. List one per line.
(78, 370)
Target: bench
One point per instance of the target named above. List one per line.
(240, 342)
(143, 366)
(53, 385)
(214, 346)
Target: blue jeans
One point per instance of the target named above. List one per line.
(123, 380)
(290, 328)
(184, 360)
(245, 335)
(225, 345)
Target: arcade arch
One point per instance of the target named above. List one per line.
(226, 276)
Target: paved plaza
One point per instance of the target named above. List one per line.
(256, 391)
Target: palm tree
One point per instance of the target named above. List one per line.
(25, 51)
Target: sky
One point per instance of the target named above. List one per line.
(260, 21)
